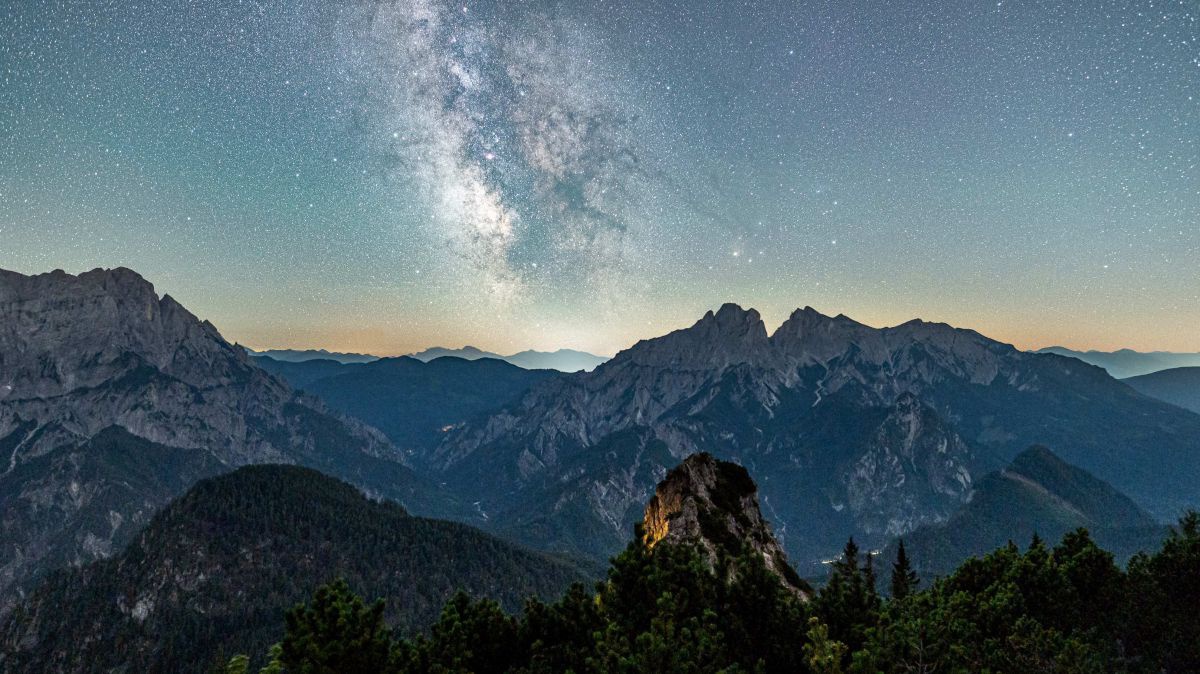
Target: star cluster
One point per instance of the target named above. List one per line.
(383, 176)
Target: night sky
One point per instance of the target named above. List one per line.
(387, 176)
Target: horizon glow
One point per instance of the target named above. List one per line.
(386, 177)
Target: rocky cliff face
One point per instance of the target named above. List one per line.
(914, 471)
(713, 505)
(83, 354)
(851, 429)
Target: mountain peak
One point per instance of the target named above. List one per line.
(731, 312)
(731, 336)
(1093, 499)
(713, 505)
(810, 336)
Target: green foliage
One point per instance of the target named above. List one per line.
(1067, 610)
(1163, 601)
(221, 566)
(239, 664)
(659, 610)
(904, 577)
(824, 655)
(336, 634)
(848, 604)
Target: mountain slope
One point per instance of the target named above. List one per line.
(1179, 386)
(563, 360)
(1037, 493)
(214, 572)
(300, 374)
(1126, 363)
(114, 482)
(82, 354)
(852, 429)
(414, 403)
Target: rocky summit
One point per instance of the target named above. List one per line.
(114, 400)
(713, 505)
(850, 428)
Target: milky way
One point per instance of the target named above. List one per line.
(521, 141)
(384, 176)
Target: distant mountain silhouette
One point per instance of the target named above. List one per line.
(1127, 362)
(302, 355)
(1178, 386)
(563, 360)
(302, 373)
(414, 403)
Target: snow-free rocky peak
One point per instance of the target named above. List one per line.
(713, 505)
(62, 332)
(99, 375)
(731, 336)
(849, 428)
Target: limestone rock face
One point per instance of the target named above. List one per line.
(113, 400)
(714, 505)
(849, 429)
(912, 471)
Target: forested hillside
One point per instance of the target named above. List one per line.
(1066, 609)
(213, 573)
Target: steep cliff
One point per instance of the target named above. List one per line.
(714, 505)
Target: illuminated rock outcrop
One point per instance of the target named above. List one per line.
(714, 505)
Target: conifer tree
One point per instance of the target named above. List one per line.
(336, 634)
(904, 578)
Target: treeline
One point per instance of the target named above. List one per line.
(1064, 609)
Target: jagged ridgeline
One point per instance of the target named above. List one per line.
(848, 429)
(114, 400)
(212, 574)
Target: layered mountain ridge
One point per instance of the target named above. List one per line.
(413, 402)
(852, 428)
(80, 355)
(1179, 386)
(563, 360)
(1038, 493)
(213, 573)
(1126, 363)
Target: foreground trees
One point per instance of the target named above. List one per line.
(1066, 609)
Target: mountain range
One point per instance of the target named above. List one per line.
(304, 355)
(414, 403)
(1125, 363)
(563, 360)
(852, 429)
(113, 400)
(1179, 386)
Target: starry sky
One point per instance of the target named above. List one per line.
(386, 176)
